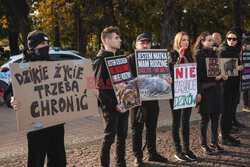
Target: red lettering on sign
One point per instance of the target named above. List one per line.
(192, 70)
(179, 73)
(119, 69)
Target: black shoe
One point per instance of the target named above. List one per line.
(216, 148)
(230, 142)
(206, 149)
(234, 141)
(181, 157)
(138, 162)
(236, 123)
(190, 155)
(157, 158)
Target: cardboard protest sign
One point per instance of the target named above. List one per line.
(52, 92)
(245, 82)
(153, 73)
(124, 85)
(213, 67)
(185, 85)
(222, 66)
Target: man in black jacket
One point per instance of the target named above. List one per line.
(48, 141)
(147, 113)
(115, 120)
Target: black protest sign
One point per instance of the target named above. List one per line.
(213, 67)
(124, 85)
(245, 82)
(153, 74)
(152, 61)
(52, 92)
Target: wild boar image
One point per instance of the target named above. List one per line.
(153, 87)
(128, 95)
(230, 66)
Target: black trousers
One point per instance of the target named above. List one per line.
(214, 117)
(245, 97)
(237, 101)
(50, 142)
(230, 97)
(115, 125)
(181, 116)
(147, 113)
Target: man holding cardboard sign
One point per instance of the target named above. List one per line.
(48, 141)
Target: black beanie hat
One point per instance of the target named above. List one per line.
(35, 38)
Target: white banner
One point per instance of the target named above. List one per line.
(185, 85)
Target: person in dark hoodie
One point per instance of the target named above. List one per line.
(115, 120)
(230, 49)
(211, 104)
(48, 141)
(146, 114)
(181, 53)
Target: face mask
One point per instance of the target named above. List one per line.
(42, 53)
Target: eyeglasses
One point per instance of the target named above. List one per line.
(230, 39)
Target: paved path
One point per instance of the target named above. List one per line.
(76, 132)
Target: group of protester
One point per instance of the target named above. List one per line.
(216, 96)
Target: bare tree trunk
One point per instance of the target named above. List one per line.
(13, 42)
(57, 41)
(169, 27)
(21, 10)
(109, 13)
(237, 9)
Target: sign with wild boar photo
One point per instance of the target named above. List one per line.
(185, 85)
(153, 74)
(245, 82)
(222, 66)
(52, 92)
(124, 84)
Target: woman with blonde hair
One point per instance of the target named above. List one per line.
(181, 53)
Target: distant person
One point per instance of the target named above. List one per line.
(217, 40)
(181, 53)
(146, 114)
(211, 104)
(48, 141)
(115, 119)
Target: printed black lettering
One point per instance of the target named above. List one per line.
(45, 73)
(26, 77)
(19, 78)
(75, 86)
(33, 107)
(70, 104)
(62, 104)
(47, 90)
(39, 88)
(84, 104)
(67, 87)
(60, 88)
(54, 85)
(45, 107)
(53, 109)
(35, 76)
(57, 74)
(65, 69)
(79, 73)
